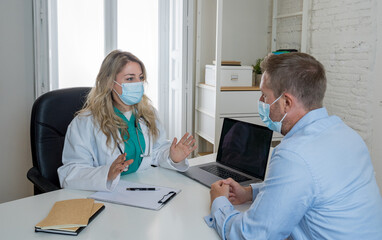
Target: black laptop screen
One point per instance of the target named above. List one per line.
(244, 147)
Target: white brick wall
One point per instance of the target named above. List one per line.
(289, 33)
(289, 29)
(342, 36)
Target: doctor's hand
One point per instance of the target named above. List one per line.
(219, 189)
(179, 151)
(118, 166)
(237, 193)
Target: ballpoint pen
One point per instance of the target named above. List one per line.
(141, 189)
(127, 167)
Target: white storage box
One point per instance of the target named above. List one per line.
(230, 76)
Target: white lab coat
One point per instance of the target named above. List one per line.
(86, 158)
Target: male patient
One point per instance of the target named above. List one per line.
(320, 182)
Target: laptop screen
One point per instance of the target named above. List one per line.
(245, 147)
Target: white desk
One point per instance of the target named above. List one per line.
(181, 218)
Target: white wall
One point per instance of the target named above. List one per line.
(376, 96)
(16, 97)
(244, 31)
(207, 34)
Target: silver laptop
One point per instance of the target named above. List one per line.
(242, 155)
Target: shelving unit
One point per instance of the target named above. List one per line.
(303, 13)
(237, 38)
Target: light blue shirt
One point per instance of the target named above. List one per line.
(320, 184)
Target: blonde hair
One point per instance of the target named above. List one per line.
(99, 101)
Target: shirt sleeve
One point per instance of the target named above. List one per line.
(280, 202)
(80, 169)
(256, 189)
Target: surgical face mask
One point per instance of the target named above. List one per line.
(131, 92)
(264, 109)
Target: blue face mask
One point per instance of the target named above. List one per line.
(131, 92)
(264, 109)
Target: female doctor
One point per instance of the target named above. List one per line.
(117, 131)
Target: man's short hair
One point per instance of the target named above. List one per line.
(298, 74)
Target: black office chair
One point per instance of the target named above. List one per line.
(51, 114)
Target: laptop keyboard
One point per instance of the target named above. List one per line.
(224, 173)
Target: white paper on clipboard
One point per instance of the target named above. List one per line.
(154, 200)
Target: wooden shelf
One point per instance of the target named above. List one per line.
(206, 86)
(240, 88)
(204, 153)
(252, 88)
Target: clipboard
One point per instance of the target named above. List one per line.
(152, 199)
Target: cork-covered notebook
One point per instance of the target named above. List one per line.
(69, 216)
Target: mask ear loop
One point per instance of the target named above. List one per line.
(282, 119)
(117, 83)
(277, 99)
(113, 89)
(116, 92)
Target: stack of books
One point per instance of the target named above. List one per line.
(70, 216)
(281, 51)
(228, 63)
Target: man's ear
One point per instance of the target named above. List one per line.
(289, 101)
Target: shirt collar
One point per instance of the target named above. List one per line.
(124, 115)
(307, 119)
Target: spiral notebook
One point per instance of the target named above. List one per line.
(149, 199)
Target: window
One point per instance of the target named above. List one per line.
(80, 42)
(72, 37)
(78, 39)
(138, 33)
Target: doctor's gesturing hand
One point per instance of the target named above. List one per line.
(118, 166)
(179, 151)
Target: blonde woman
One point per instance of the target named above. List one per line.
(117, 132)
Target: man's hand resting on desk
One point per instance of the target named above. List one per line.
(237, 193)
(219, 189)
(232, 190)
